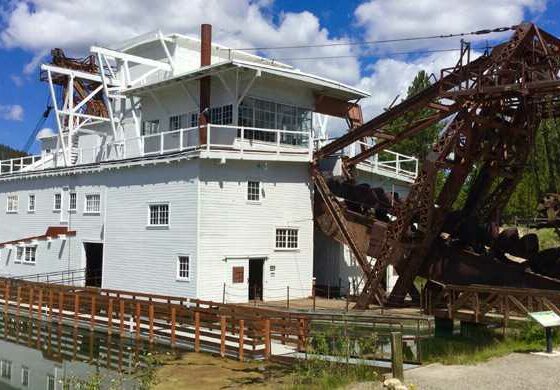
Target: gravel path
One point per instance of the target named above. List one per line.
(515, 371)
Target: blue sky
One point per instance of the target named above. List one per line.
(29, 29)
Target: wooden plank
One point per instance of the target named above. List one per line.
(110, 316)
(76, 309)
(151, 319)
(121, 317)
(173, 325)
(196, 331)
(241, 338)
(93, 311)
(267, 338)
(397, 355)
(223, 336)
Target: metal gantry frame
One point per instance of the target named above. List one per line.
(494, 105)
(90, 91)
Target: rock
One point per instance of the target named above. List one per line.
(394, 384)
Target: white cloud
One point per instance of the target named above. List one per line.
(40, 25)
(383, 19)
(11, 112)
(17, 80)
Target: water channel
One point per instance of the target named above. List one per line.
(41, 355)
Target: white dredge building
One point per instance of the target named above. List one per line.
(143, 193)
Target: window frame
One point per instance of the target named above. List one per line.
(286, 248)
(149, 223)
(72, 202)
(29, 203)
(10, 202)
(19, 254)
(153, 123)
(92, 212)
(25, 369)
(249, 192)
(178, 276)
(10, 365)
(57, 195)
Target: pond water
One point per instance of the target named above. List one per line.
(41, 355)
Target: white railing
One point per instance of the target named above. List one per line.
(225, 138)
(17, 164)
(393, 163)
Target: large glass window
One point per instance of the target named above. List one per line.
(286, 238)
(12, 204)
(269, 115)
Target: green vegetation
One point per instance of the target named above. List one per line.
(316, 373)
(7, 153)
(483, 345)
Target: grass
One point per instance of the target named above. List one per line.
(547, 237)
(485, 344)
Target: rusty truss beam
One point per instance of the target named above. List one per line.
(492, 107)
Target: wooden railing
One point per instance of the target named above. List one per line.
(230, 330)
(487, 304)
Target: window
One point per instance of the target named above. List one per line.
(183, 268)
(30, 252)
(253, 191)
(237, 275)
(31, 203)
(51, 382)
(174, 122)
(93, 203)
(24, 376)
(57, 202)
(19, 253)
(159, 215)
(12, 205)
(221, 115)
(6, 369)
(194, 119)
(73, 201)
(269, 115)
(286, 238)
(150, 127)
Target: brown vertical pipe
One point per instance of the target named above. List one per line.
(204, 84)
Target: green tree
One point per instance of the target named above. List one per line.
(420, 144)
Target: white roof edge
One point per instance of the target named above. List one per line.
(152, 36)
(290, 73)
(300, 73)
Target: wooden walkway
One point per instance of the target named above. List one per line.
(230, 330)
(487, 304)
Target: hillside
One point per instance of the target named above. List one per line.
(6, 152)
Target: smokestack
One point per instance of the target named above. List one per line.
(205, 60)
(205, 44)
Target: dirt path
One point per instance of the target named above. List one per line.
(515, 371)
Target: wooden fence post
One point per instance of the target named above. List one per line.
(18, 308)
(197, 331)
(173, 315)
(93, 311)
(397, 355)
(110, 316)
(6, 297)
(137, 320)
(241, 338)
(51, 303)
(76, 309)
(151, 319)
(40, 307)
(223, 336)
(288, 297)
(31, 303)
(267, 338)
(60, 306)
(121, 316)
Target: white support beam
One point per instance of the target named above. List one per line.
(88, 97)
(60, 140)
(130, 58)
(189, 94)
(226, 87)
(167, 53)
(77, 74)
(248, 86)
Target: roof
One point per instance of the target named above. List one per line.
(326, 86)
(52, 232)
(192, 43)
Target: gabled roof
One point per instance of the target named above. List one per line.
(323, 85)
